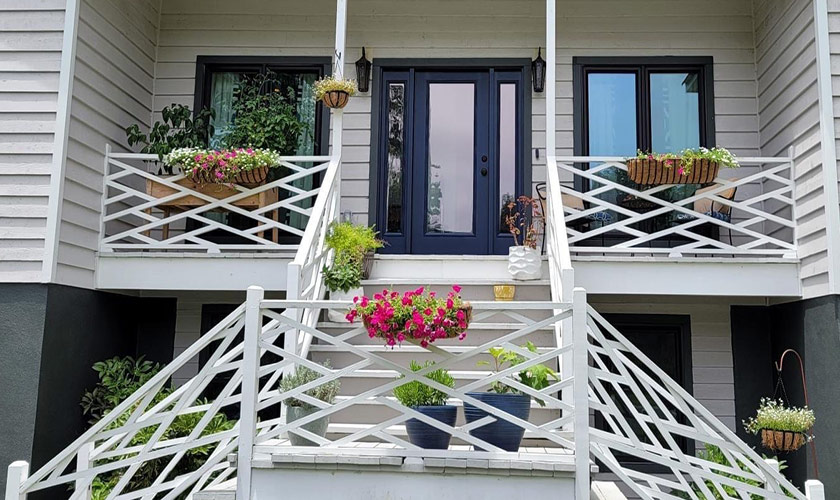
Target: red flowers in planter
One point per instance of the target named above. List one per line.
(415, 316)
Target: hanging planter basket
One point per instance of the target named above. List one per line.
(336, 99)
(782, 441)
(657, 172)
(451, 333)
(247, 178)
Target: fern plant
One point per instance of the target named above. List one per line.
(414, 393)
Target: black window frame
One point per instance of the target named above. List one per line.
(681, 323)
(642, 67)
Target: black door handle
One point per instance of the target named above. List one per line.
(484, 171)
(484, 158)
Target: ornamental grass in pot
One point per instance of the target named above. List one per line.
(502, 433)
(430, 402)
(782, 428)
(297, 409)
(525, 221)
(416, 316)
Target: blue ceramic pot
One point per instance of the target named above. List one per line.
(424, 435)
(504, 434)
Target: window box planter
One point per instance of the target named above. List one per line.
(658, 172)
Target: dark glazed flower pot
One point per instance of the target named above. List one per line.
(426, 436)
(506, 435)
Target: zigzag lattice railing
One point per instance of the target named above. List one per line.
(639, 411)
(143, 211)
(644, 414)
(605, 216)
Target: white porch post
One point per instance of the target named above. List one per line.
(250, 390)
(580, 365)
(17, 474)
(814, 490)
(550, 77)
(338, 72)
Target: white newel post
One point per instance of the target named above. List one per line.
(83, 463)
(580, 366)
(17, 474)
(250, 389)
(814, 490)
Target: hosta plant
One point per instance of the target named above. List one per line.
(416, 393)
(684, 160)
(417, 315)
(776, 416)
(220, 166)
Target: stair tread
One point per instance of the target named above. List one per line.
(473, 326)
(405, 348)
(419, 281)
(451, 402)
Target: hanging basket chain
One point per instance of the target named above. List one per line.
(781, 384)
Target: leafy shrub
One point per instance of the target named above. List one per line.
(536, 377)
(774, 415)
(715, 455)
(118, 379)
(326, 392)
(416, 393)
(179, 129)
(266, 117)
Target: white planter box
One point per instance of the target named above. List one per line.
(524, 263)
(338, 315)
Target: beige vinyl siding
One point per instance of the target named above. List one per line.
(470, 29)
(31, 34)
(112, 88)
(789, 116)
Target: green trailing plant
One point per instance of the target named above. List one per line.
(684, 160)
(414, 393)
(326, 392)
(331, 84)
(715, 455)
(266, 117)
(351, 239)
(179, 129)
(118, 379)
(774, 415)
(537, 377)
(344, 275)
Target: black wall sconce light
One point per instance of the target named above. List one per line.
(538, 72)
(363, 73)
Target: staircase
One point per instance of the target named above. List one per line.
(402, 273)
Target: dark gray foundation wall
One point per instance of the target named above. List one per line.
(50, 336)
(759, 337)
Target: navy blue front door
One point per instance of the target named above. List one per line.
(450, 152)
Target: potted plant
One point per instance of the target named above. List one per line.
(782, 428)
(690, 166)
(430, 402)
(297, 409)
(525, 221)
(334, 92)
(343, 279)
(415, 316)
(357, 241)
(504, 434)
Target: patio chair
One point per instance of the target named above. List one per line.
(575, 203)
(707, 206)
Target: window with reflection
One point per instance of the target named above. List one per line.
(395, 156)
(650, 104)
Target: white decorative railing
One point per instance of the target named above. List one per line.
(747, 211)
(143, 211)
(638, 411)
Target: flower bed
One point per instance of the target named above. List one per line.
(415, 316)
(245, 166)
